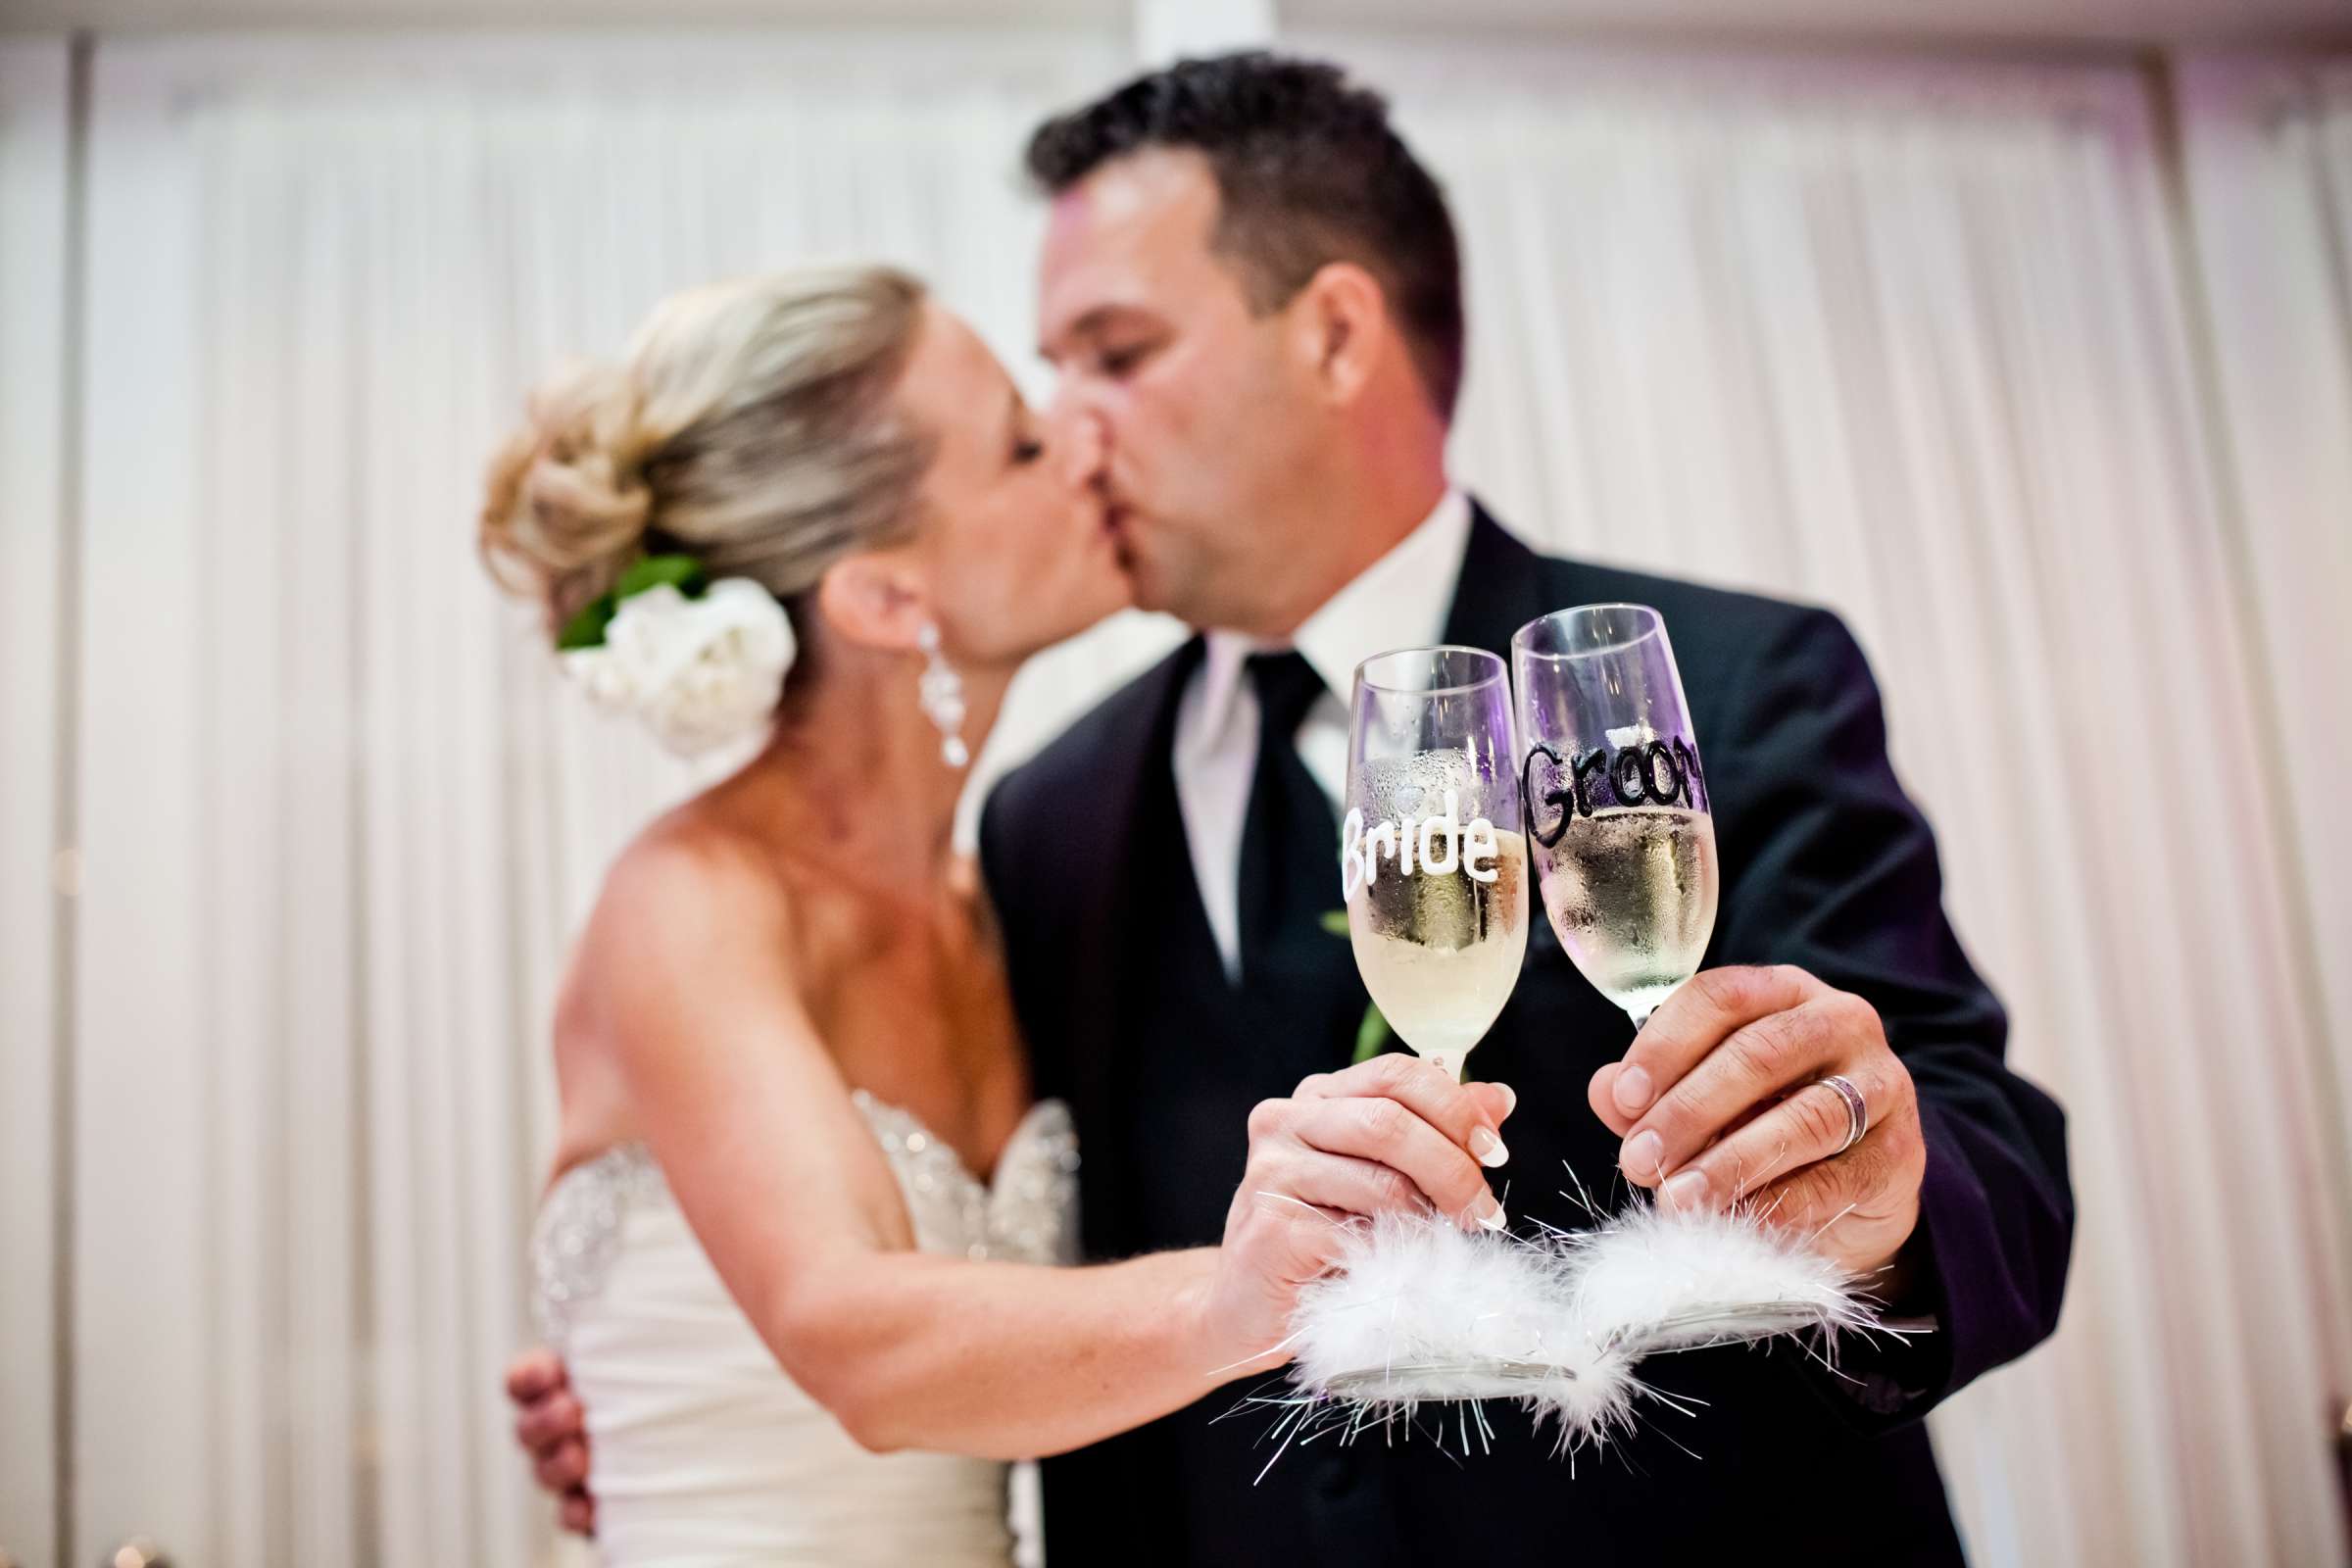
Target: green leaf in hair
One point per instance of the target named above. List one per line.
(587, 628)
(682, 572)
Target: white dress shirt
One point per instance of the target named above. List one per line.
(1399, 601)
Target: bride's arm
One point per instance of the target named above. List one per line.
(788, 1192)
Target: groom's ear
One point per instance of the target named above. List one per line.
(874, 600)
(1340, 320)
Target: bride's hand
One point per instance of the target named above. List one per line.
(1390, 1135)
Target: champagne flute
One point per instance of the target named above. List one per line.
(1432, 862)
(1618, 813)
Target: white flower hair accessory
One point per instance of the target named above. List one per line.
(701, 665)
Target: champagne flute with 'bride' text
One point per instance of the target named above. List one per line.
(1618, 814)
(1432, 862)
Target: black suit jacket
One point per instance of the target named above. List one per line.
(1826, 864)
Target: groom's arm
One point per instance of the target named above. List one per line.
(1961, 1190)
(1837, 873)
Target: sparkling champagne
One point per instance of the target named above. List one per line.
(1439, 950)
(1632, 894)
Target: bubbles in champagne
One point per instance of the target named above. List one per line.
(1441, 957)
(1439, 950)
(1411, 787)
(1631, 894)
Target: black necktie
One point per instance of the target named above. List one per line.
(1289, 870)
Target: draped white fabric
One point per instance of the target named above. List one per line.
(2269, 146)
(1915, 343)
(1922, 344)
(324, 281)
(32, 258)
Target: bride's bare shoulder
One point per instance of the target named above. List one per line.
(689, 915)
(691, 873)
(693, 894)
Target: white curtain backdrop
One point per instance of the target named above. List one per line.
(32, 258)
(2269, 146)
(1922, 344)
(341, 823)
(1915, 343)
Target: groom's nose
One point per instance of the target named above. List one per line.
(1081, 440)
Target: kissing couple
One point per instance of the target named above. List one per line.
(878, 1169)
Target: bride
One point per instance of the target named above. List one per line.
(791, 1254)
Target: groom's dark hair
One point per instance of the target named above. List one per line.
(1308, 171)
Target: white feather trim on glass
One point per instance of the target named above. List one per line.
(1417, 1312)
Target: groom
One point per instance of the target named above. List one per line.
(1252, 287)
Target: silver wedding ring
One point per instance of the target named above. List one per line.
(1857, 1114)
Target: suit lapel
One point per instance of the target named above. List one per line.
(1137, 740)
(1502, 587)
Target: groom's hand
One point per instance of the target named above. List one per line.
(1388, 1135)
(1721, 1100)
(551, 1430)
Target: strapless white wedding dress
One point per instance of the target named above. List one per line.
(703, 1451)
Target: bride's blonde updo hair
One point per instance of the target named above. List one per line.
(751, 425)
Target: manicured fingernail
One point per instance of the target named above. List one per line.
(1488, 1147)
(1631, 1090)
(1511, 1098)
(1685, 1189)
(1489, 1212)
(1641, 1156)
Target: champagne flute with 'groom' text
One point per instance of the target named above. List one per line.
(1619, 817)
